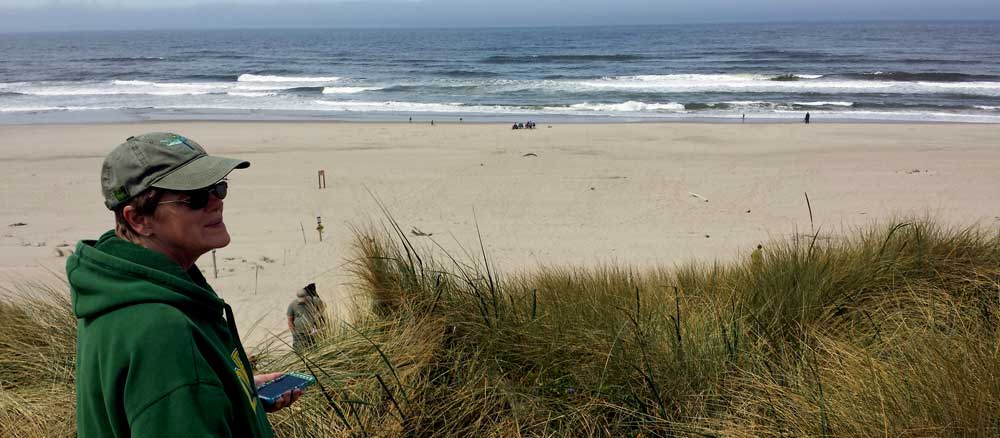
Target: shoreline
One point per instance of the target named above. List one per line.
(596, 122)
(104, 116)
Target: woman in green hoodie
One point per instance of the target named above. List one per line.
(158, 353)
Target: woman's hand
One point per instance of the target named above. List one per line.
(282, 402)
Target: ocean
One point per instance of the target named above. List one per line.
(872, 71)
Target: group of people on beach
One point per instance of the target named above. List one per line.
(523, 125)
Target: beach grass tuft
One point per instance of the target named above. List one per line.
(891, 329)
(37, 355)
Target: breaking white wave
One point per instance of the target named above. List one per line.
(247, 77)
(124, 82)
(119, 87)
(348, 90)
(756, 83)
(136, 87)
(392, 106)
(250, 94)
(630, 106)
(824, 103)
(579, 109)
(38, 109)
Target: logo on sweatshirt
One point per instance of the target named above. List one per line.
(241, 373)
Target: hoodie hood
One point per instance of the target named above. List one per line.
(110, 273)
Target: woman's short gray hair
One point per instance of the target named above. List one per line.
(144, 203)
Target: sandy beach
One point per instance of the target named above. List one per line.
(567, 194)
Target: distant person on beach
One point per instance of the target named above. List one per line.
(305, 317)
(807, 118)
(158, 353)
(514, 126)
(757, 258)
(744, 117)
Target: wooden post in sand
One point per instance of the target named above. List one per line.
(319, 227)
(303, 228)
(215, 269)
(256, 275)
(321, 179)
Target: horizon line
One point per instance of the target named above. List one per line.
(505, 26)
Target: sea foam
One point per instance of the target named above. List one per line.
(348, 90)
(247, 77)
(630, 106)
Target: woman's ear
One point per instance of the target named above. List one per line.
(140, 223)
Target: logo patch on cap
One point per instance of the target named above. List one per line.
(176, 140)
(120, 194)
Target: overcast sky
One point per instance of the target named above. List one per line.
(47, 15)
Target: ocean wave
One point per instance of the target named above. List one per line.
(141, 87)
(304, 90)
(209, 77)
(823, 103)
(759, 83)
(466, 74)
(886, 106)
(776, 53)
(131, 82)
(121, 87)
(127, 59)
(938, 61)
(902, 76)
(544, 59)
(348, 90)
(794, 77)
(742, 105)
(455, 107)
(700, 106)
(554, 77)
(988, 107)
(630, 106)
(393, 106)
(247, 77)
(38, 109)
(446, 88)
(217, 54)
(251, 94)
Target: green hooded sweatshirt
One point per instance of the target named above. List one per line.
(155, 356)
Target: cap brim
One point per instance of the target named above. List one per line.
(200, 173)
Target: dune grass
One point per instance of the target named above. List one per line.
(37, 354)
(889, 331)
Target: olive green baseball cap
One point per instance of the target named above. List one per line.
(163, 160)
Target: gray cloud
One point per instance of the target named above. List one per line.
(45, 15)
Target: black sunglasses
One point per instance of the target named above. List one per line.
(198, 199)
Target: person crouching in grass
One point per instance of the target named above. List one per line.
(158, 353)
